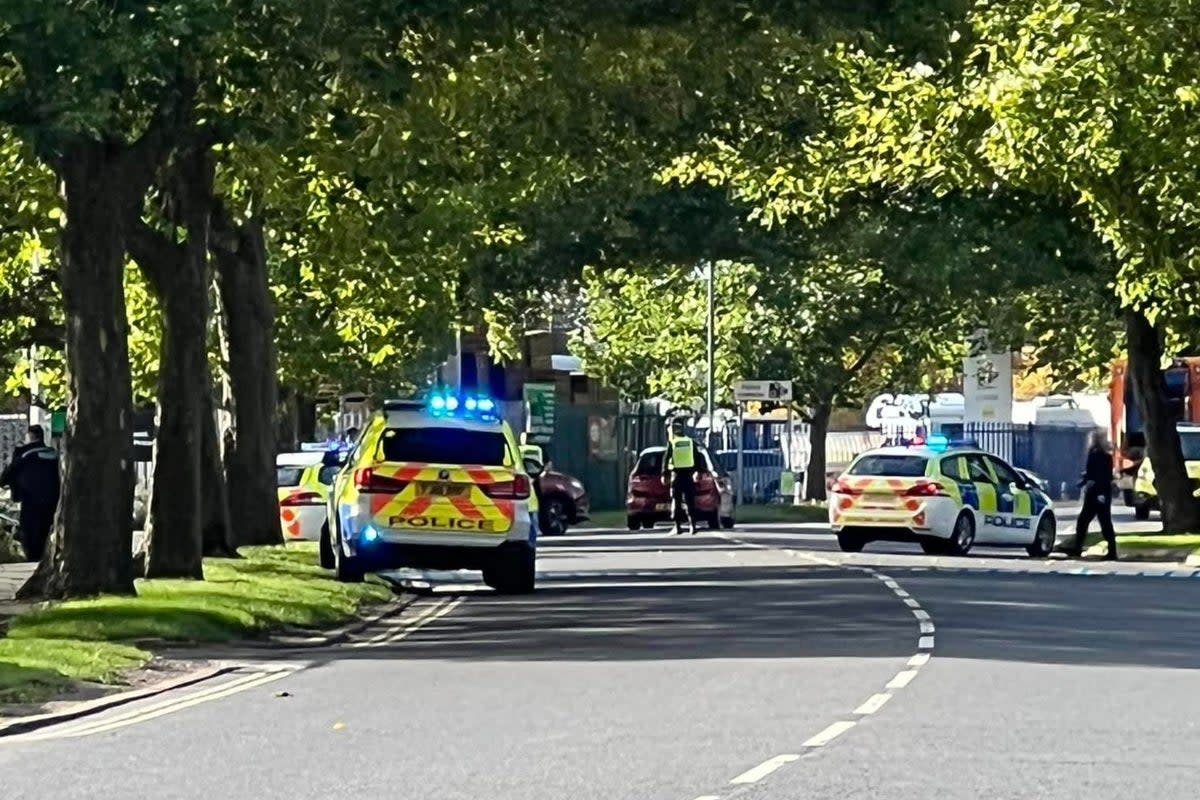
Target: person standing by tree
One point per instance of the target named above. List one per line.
(32, 476)
(679, 470)
(1097, 496)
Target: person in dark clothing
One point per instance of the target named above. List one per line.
(1097, 497)
(32, 476)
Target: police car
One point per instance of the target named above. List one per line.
(435, 485)
(302, 482)
(947, 499)
(1144, 491)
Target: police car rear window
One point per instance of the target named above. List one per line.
(444, 446)
(288, 476)
(890, 466)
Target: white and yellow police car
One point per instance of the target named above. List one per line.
(944, 498)
(435, 485)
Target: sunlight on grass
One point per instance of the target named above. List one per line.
(268, 589)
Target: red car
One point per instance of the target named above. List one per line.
(563, 501)
(649, 497)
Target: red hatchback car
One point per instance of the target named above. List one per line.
(649, 498)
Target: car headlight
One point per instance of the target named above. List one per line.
(576, 484)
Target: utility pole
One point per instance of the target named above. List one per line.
(35, 388)
(711, 270)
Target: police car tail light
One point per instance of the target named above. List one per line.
(366, 480)
(516, 489)
(927, 489)
(843, 486)
(303, 499)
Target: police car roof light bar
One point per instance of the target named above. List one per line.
(466, 406)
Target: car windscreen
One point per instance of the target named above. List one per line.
(289, 476)
(1190, 442)
(890, 466)
(649, 464)
(444, 446)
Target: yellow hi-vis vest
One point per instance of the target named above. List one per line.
(683, 453)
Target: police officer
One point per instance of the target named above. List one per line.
(679, 468)
(1097, 497)
(32, 475)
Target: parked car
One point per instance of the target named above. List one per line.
(649, 497)
(562, 501)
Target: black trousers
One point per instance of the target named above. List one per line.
(1094, 507)
(35, 521)
(683, 495)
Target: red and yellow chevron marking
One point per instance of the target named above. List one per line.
(420, 504)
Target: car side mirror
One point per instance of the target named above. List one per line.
(534, 468)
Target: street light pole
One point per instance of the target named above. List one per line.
(711, 350)
(35, 388)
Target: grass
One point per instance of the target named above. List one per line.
(746, 515)
(101, 639)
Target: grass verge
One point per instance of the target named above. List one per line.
(101, 639)
(746, 515)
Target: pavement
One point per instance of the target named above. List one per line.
(761, 664)
(12, 578)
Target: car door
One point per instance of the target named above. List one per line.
(981, 478)
(1014, 516)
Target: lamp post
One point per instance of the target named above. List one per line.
(711, 326)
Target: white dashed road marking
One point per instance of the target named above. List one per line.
(873, 704)
(764, 769)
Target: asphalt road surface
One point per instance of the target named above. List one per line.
(652, 667)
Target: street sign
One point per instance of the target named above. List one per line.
(540, 403)
(762, 390)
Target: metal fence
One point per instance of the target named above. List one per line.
(1055, 452)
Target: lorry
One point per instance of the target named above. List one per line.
(1182, 378)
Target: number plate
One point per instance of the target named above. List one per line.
(442, 489)
(663, 507)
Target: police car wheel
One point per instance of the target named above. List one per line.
(346, 568)
(850, 542)
(326, 549)
(935, 547)
(1043, 540)
(964, 535)
(513, 572)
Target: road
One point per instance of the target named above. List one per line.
(651, 667)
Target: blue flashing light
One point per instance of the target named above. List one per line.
(937, 442)
(370, 534)
(467, 407)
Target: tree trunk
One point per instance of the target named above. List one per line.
(1180, 510)
(90, 546)
(216, 530)
(814, 478)
(287, 420)
(249, 396)
(179, 276)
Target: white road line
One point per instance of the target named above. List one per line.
(709, 797)
(895, 588)
(921, 614)
(416, 626)
(919, 660)
(926, 627)
(925, 643)
(902, 679)
(405, 624)
(764, 769)
(908, 601)
(873, 704)
(829, 734)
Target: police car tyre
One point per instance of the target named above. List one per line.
(1141, 512)
(963, 536)
(347, 569)
(513, 572)
(326, 549)
(851, 541)
(1043, 539)
(934, 547)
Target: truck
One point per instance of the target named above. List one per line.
(1182, 377)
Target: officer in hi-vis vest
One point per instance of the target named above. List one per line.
(679, 467)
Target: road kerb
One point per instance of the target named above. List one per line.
(358, 625)
(78, 711)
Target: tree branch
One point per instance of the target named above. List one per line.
(154, 253)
